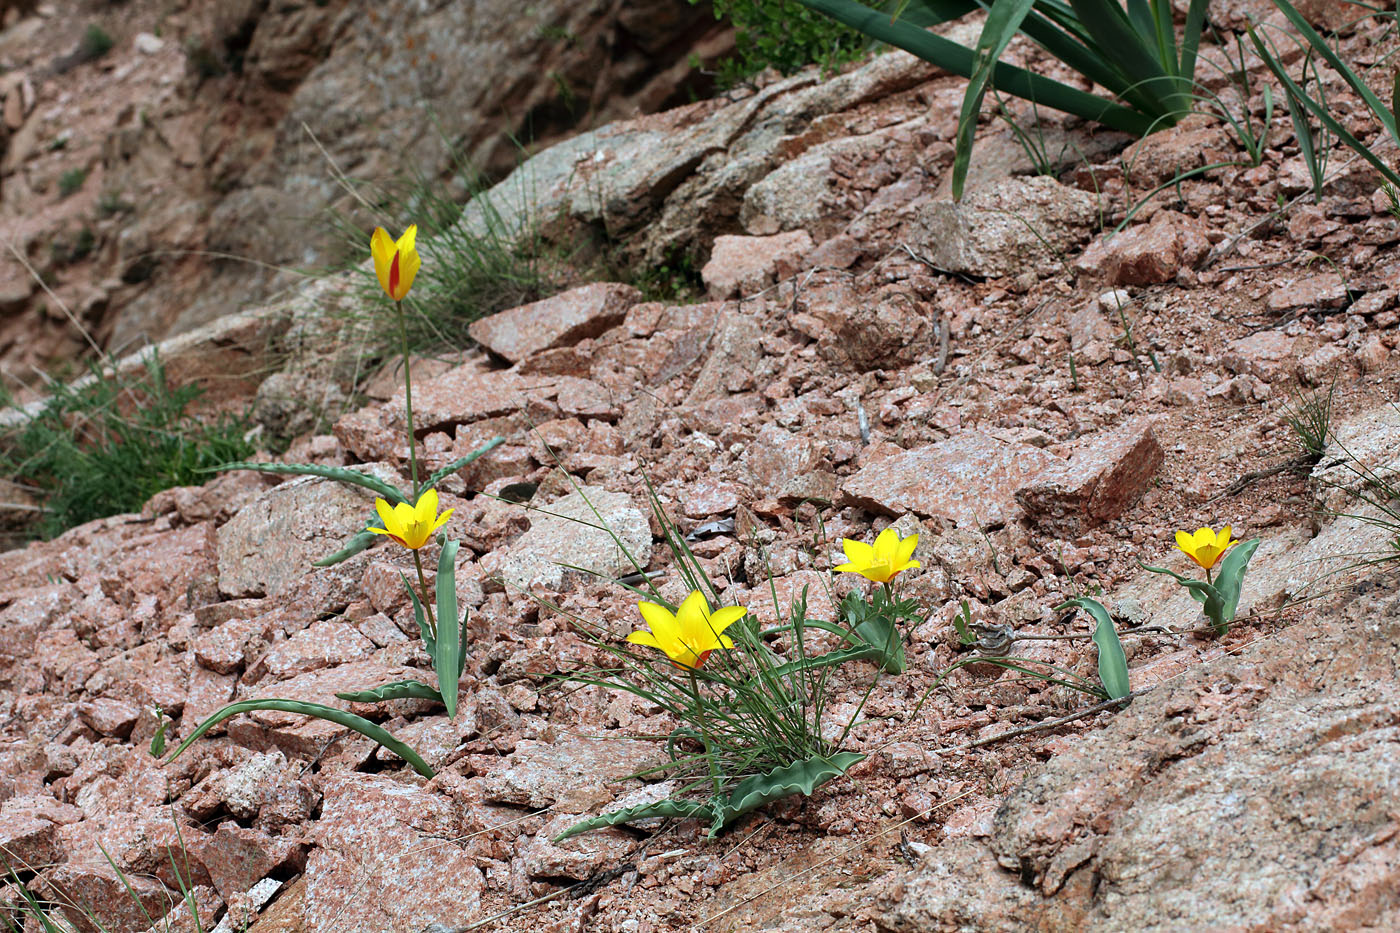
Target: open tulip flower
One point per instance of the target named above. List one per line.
(395, 263)
(687, 637)
(882, 561)
(1205, 547)
(411, 525)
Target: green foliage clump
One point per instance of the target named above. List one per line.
(785, 36)
(107, 445)
(70, 181)
(96, 43)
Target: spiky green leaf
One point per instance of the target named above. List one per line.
(398, 690)
(340, 474)
(682, 809)
(446, 471)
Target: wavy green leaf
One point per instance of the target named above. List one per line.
(339, 474)
(1113, 662)
(683, 809)
(800, 777)
(398, 690)
(362, 541)
(340, 717)
(447, 653)
(446, 471)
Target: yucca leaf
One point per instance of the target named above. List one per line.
(1119, 43)
(684, 809)
(339, 474)
(1113, 663)
(398, 690)
(1003, 22)
(959, 60)
(447, 652)
(340, 717)
(446, 471)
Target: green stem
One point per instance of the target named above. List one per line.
(423, 587)
(408, 410)
(1208, 577)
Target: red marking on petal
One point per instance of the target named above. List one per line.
(394, 276)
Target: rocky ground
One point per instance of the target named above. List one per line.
(1044, 401)
(186, 171)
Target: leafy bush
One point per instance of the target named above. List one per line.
(107, 445)
(95, 43)
(782, 35)
(70, 181)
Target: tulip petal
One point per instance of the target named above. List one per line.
(723, 618)
(1222, 540)
(442, 520)
(427, 507)
(658, 618)
(405, 242)
(386, 514)
(1185, 542)
(644, 638)
(886, 545)
(381, 247)
(857, 552)
(408, 268)
(906, 550)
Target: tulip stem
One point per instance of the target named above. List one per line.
(1208, 577)
(423, 587)
(408, 411)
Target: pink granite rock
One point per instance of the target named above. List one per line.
(558, 321)
(1098, 482)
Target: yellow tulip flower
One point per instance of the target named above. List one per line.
(687, 637)
(410, 525)
(1205, 547)
(395, 263)
(880, 563)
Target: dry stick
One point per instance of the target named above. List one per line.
(1241, 484)
(1048, 724)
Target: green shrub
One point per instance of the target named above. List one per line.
(95, 43)
(71, 181)
(108, 445)
(785, 36)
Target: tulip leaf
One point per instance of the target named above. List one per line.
(340, 717)
(362, 541)
(444, 472)
(398, 690)
(880, 633)
(1230, 577)
(1113, 663)
(447, 652)
(339, 474)
(684, 809)
(800, 777)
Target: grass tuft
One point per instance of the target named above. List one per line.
(71, 181)
(106, 446)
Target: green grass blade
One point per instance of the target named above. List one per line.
(1383, 113)
(447, 658)
(398, 690)
(339, 474)
(1319, 111)
(340, 717)
(421, 617)
(959, 60)
(1191, 40)
(1302, 130)
(1003, 22)
(442, 474)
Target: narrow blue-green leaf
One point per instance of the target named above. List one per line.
(339, 474)
(800, 777)
(447, 655)
(683, 809)
(398, 690)
(421, 617)
(340, 717)
(1003, 22)
(1229, 578)
(1113, 662)
(1302, 130)
(442, 474)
